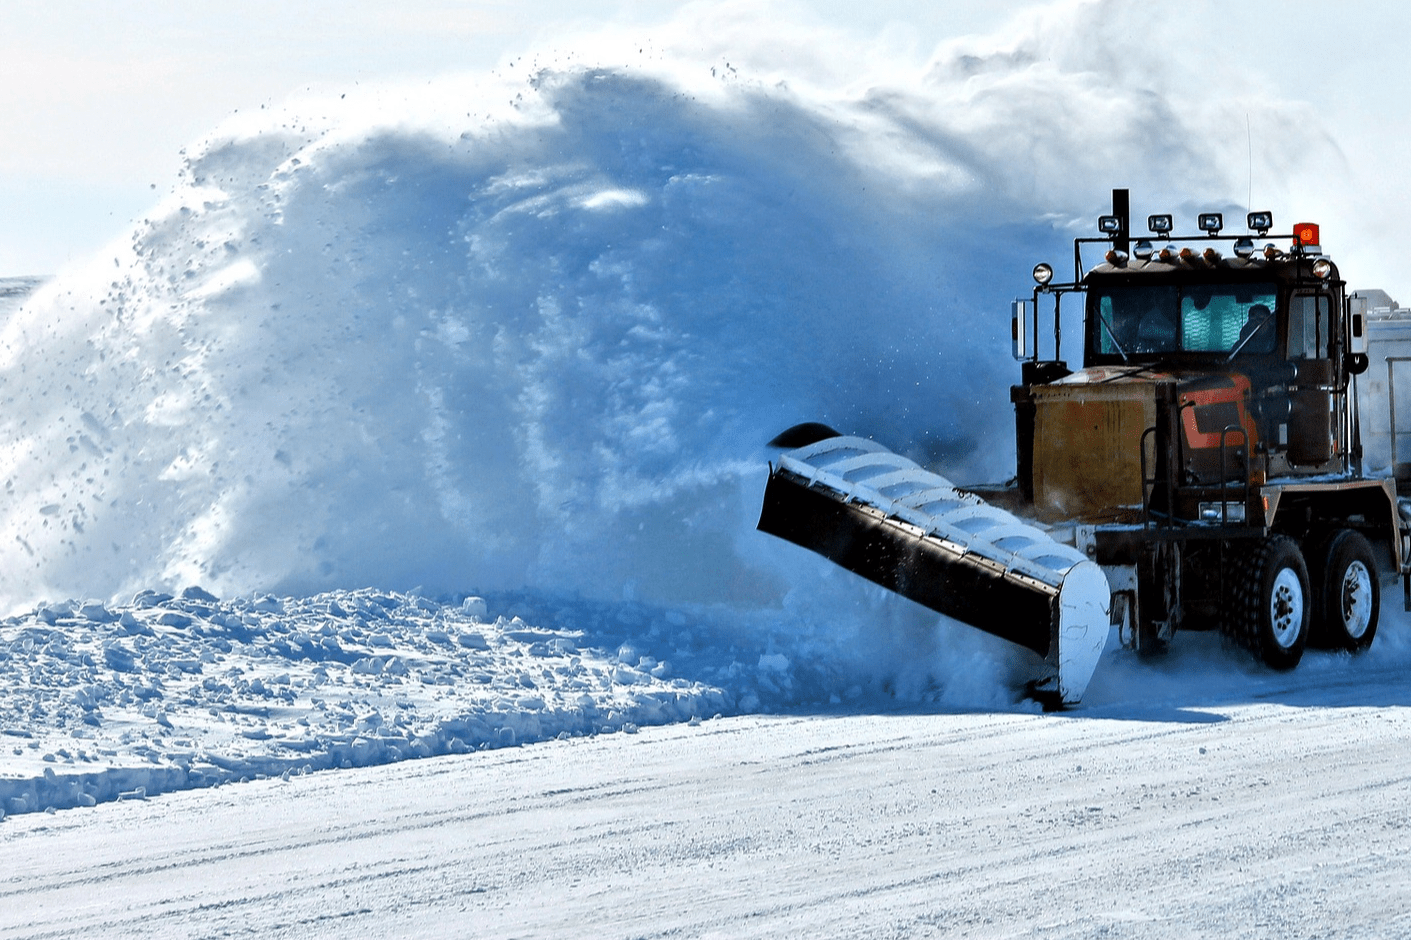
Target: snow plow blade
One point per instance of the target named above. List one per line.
(883, 517)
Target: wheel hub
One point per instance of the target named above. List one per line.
(1356, 599)
(1286, 608)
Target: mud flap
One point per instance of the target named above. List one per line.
(883, 517)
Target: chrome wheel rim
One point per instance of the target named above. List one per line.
(1356, 600)
(1286, 608)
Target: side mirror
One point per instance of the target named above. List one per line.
(1357, 326)
(1022, 318)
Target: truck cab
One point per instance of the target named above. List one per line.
(1214, 419)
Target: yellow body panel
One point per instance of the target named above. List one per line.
(1087, 457)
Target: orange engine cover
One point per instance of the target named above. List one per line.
(1216, 408)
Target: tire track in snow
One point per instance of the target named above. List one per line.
(915, 825)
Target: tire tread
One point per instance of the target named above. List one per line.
(1246, 610)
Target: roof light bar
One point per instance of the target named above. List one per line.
(1109, 224)
(1260, 222)
(1158, 224)
(1211, 222)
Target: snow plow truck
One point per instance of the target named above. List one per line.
(1203, 468)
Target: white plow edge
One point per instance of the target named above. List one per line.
(866, 472)
(1084, 620)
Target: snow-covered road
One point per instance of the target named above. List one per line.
(1278, 817)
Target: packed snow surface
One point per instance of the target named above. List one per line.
(1278, 815)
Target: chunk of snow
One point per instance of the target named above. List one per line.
(773, 662)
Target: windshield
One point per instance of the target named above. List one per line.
(1186, 318)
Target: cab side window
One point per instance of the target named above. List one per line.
(1309, 321)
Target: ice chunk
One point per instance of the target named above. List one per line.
(773, 662)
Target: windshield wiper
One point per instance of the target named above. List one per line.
(1107, 328)
(1252, 333)
(1128, 373)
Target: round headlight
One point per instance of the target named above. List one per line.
(1143, 250)
(1244, 247)
(1322, 268)
(1043, 273)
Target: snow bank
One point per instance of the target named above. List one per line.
(98, 703)
(101, 702)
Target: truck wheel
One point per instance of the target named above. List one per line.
(1348, 597)
(1271, 604)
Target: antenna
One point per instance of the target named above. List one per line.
(1249, 142)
